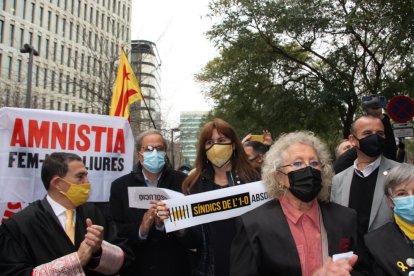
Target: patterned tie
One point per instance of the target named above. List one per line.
(70, 225)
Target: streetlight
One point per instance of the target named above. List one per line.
(172, 145)
(32, 52)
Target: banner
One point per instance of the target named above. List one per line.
(215, 205)
(141, 197)
(27, 136)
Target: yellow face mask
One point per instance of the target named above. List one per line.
(78, 194)
(219, 154)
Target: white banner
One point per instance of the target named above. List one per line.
(141, 197)
(214, 205)
(27, 136)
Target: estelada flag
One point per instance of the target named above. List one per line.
(126, 89)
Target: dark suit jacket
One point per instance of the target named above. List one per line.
(390, 249)
(264, 245)
(160, 253)
(35, 236)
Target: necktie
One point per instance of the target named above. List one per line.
(70, 225)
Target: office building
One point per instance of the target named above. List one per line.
(145, 62)
(78, 43)
(190, 124)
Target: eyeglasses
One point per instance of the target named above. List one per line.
(299, 165)
(221, 140)
(152, 148)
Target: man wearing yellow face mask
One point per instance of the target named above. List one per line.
(62, 234)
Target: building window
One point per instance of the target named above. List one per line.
(41, 16)
(60, 82)
(59, 105)
(32, 12)
(74, 87)
(36, 75)
(79, 8)
(69, 57)
(77, 33)
(43, 103)
(81, 89)
(46, 48)
(11, 34)
(91, 15)
(56, 23)
(19, 70)
(9, 68)
(13, 7)
(62, 53)
(23, 15)
(44, 78)
(75, 60)
(66, 107)
(73, 108)
(52, 82)
(70, 30)
(1, 30)
(2, 5)
(21, 38)
(39, 43)
(52, 105)
(54, 50)
(85, 11)
(63, 26)
(49, 19)
(67, 85)
(82, 61)
(31, 38)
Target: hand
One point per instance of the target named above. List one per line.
(246, 138)
(84, 253)
(94, 235)
(267, 138)
(339, 268)
(162, 211)
(147, 221)
(376, 112)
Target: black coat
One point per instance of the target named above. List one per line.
(390, 249)
(161, 253)
(264, 245)
(35, 236)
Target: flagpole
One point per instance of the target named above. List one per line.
(149, 113)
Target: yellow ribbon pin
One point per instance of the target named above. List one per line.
(402, 266)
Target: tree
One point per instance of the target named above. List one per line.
(297, 64)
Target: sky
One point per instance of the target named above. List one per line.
(178, 29)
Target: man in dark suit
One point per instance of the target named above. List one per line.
(157, 253)
(361, 186)
(62, 234)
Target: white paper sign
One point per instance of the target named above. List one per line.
(141, 197)
(105, 143)
(214, 205)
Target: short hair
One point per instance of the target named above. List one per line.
(403, 173)
(257, 146)
(57, 164)
(277, 154)
(143, 134)
(353, 131)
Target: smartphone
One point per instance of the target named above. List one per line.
(257, 137)
(374, 101)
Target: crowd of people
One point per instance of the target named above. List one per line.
(351, 217)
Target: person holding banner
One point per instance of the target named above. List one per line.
(157, 253)
(296, 232)
(62, 234)
(221, 162)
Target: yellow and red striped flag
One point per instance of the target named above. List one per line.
(126, 89)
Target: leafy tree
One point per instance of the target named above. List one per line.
(287, 65)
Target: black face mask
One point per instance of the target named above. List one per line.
(372, 145)
(305, 183)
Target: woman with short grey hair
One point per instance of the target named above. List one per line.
(295, 232)
(395, 256)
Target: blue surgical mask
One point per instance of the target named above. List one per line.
(404, 208)
(154, 161)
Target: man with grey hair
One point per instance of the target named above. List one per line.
(361, 186)
(156, 252)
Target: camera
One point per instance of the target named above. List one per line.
(374, 101)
